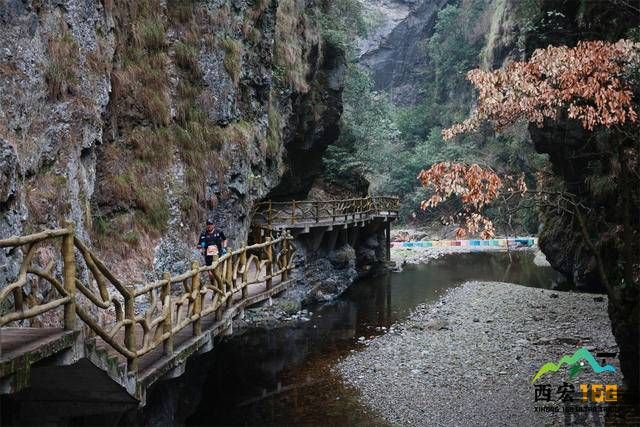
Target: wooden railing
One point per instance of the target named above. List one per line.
(269, 214)
(134, 319)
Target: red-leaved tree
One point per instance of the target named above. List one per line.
(595, 85)
(587, 82)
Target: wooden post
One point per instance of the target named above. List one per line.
(130, 330)
(197, 302)
(317, 211)
(333, 212)
(228, 278)
(285, 254)
(167, 323)
(269, 252)
(68, 276)
(388, 238)
(269, 215)
(293, 212)
(245, 272)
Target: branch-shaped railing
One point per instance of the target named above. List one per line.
(270, 214)
(136, 319)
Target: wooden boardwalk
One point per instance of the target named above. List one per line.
(296, 215)
(139, 333)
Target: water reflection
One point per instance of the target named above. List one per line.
(283, 376)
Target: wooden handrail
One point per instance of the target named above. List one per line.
(288, 214)
(167, 311)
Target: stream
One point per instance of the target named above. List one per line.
(284, 376)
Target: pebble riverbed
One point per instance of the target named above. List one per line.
(469, 359)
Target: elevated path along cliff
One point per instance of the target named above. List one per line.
(93, 337)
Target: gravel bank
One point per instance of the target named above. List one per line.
(403, 256)
(469, 358)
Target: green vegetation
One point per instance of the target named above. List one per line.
(389, 144)
(133, 199)
(186, 55)
(274, 133)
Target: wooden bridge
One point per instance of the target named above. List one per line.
(297, 215)
(139, 333)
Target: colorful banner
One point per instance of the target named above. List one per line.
(517, 242)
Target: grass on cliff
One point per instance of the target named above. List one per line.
(251, 27)
(274, 133)
(186, 55)
(45, 194)
(134, 164)
(233, 58)
(61, 73)
(293, 33)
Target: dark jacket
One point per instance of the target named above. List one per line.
(216, 237)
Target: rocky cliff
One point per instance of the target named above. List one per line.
(395, 51)
(395, 55)
(137, 120)
(596, 248)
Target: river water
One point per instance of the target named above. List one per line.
(284, 376)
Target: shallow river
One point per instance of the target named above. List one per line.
(284, 375)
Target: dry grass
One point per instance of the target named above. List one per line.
(234, 51)
(274, 132)
(61, 73)
(291, 34)
(132, 204)
(149, 34)
(186, 56)
(140, 78)
(180, 10)
(140, 85)
(250, 28)
(46, 194)
(152, 146)
(98, 63)
(223, 17)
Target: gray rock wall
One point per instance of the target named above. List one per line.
(68, 134)
(397, 62)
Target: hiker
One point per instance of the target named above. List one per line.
(212, 243)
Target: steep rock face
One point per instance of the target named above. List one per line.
(47, 138)
(137, 120)
(398, 61)
(588, 167)
(316, 116)
(395, 52)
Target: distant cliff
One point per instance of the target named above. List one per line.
(395, 52)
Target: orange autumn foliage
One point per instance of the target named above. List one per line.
(585, 81)
(474, 185)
